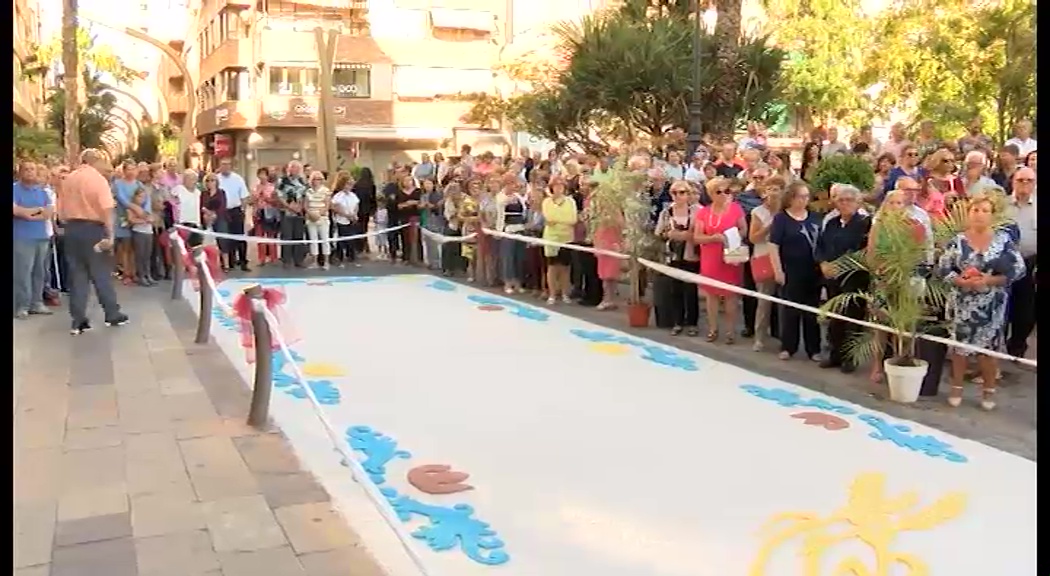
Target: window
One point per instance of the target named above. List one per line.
(352, 81)
(235, 85)
(293, 80)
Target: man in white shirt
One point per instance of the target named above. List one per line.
(911, 188)
(674, 169)
(1021, 209)
(1023, 139)
(833, 146)
(237, 195)
(695, 173)
(188, 199)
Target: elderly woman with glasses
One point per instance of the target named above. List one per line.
(710, 228)
(675, 227)
(793, 241)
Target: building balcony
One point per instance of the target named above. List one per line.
(230, 115)
(229, 54)
(26, 104)
(177, 103)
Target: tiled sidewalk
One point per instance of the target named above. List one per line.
(132, 459)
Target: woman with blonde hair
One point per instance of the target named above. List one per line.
(469, 220)
(559, 217)
(510, 218)
(761, 265)
(318, 226)
(452, 252)
(980, 263)
(711, 224)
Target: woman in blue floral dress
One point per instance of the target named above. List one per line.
(980, 263)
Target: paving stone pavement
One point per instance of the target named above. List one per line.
(132, 458)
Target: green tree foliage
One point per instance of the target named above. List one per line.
(826, 42)
(628, 74)
(31, 142)
(147, 147)
(95, 57)
(94, 116)
(954, 60)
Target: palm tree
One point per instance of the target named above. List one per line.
(725, 94)
(71, 79)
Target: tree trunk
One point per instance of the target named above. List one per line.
(726, 90)
(71, 80)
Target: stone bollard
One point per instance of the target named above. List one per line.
(259, 414)
(204, 318)
(176, 266)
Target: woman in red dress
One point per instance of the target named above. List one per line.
(710, 228)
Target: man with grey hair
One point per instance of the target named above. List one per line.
(844, 233)
(1021, 209)
(833, 194)
(86, 211)
(974, 178)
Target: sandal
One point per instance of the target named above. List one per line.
(729, 339)
(676, 331)
(987, 403)
(955, 396)
(712, 336)
(693, 332)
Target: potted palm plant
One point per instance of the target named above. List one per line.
(622, 201)
(902, 296)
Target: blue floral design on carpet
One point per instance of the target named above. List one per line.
(898, 434)
(516, 308)
(448, 527)
(442, 285)
(650, 352)
(378, 449)
(325, 391)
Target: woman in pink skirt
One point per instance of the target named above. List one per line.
(609, 237)
(710, 227)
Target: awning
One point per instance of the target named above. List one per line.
(462, 19)
(391, 133)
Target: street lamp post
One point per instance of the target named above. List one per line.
(705, 20)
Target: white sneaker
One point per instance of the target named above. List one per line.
(552, 301)
(566, 299)
(508, 290)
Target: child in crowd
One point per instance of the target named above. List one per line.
(140, 220)
(382, 223)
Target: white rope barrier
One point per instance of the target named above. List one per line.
(356, 471)
(705, 281)
(278, 241)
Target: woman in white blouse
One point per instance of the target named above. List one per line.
(345, 205)
(510, 218)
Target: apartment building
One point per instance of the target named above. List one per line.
(28, 95)
(403, 70)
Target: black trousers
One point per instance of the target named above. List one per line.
(749, 304)
(840, 332)
(685, 299)
(801, 285)
(159, 265)
(293, 228)
(583, 273)
(344, 249)
(1022, 318)
(235, 225)
(452, 261)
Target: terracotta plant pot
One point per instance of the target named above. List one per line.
(638, 315)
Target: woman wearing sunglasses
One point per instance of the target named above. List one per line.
(675, 226)
(710, 228)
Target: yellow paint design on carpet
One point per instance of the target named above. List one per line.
(322, 370)
(610, 348)
(868, 516)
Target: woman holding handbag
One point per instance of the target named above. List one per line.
(761, 264)
(675, 226)
(711, 229)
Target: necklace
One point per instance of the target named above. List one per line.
(711, 215)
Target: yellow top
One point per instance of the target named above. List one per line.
(559, 217)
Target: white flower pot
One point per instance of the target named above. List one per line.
(905, 381)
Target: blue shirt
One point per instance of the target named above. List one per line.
(123, 191)
(895, 174)
(30, 197)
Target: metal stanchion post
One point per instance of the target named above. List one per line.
(204, 318)
(259, 413)
(176, 266)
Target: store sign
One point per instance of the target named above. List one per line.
(303, 110)
(222, 115)
(345, 90)
(223, 145)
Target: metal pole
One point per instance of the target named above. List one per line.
(204, 318)
(695, 135)
(176, 266)
(259, 414)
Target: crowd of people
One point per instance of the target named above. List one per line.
(736, 211)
